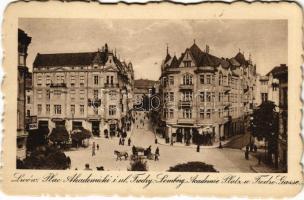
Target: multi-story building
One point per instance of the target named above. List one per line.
(205, 94)
(281, 73)
(28, 95)
(23, 42)
(92, 90)
(143, 89)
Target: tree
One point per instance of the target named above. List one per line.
(45, 157)
(37, 138)
(79, 135)
(192, 167)
(138, 165)
(59, 135)
(264, 126)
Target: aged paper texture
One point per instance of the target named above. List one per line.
(155, 100)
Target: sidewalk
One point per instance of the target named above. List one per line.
(161, 141)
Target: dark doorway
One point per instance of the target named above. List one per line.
(76, 125)
(95, 128)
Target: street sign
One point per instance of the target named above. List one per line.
(33, 126)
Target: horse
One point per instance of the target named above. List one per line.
(121, 154)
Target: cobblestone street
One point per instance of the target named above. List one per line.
(224, 160)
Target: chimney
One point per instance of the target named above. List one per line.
(207, 48)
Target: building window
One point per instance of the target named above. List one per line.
(39, 81)
(113, 95)
(39, 94)
(57, 109)
(220, 79)
(208, 96)
(108, 78)
(165, 113)
(187, 113)
(48, 94)
(81, 79)
(208, 114)
(95, 94)
(202, 96)
(187, 63)
(72, 95)
(264, 97)
(72, 81)
(208, 78)
(48, 80)
(81, 109)
(47, 108)
(112, 80)
(112, 110)
(96, 80)
(187, 79)
(39, 109)
(72, 109)
(187, 96)
(202, 114)
(171, 96)
(171, 113)
(28, 113)
(28, 99)
(81, 94)
(171, 80)
(57, 92)
(202, 79)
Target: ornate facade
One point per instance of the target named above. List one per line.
(92, 90)
(202, 93)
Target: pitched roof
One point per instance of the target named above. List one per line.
(174, 62)
(144, 83)
(64, 59)
(241, 58)
(278, 70)
(202, 58)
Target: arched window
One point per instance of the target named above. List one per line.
(220, 78)
(187, 79)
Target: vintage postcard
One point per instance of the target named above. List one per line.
(155, 100)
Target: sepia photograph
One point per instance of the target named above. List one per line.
(166, 95)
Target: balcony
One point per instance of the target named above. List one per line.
(185, 121)
(94, 102)
(185, 103)
(57, 85)
(111, 85)
(186, 87)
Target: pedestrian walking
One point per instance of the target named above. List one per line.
(129, 142)
(247, 155)
(93, 149)
(97, 147)
(156, 141)
(120, 142)
(123, 141)
(157, 151)
(198, 148)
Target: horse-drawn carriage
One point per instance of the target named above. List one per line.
(139, 153)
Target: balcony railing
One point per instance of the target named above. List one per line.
(111, 85)
(185, 121)
(185, 103)
(54, 85)
(186, 87)
(227, 104)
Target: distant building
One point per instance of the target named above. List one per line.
(23, 42)
(92, 90)
(202, 93)
(281, 74)
(143, 89)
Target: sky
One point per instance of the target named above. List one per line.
(143, 42)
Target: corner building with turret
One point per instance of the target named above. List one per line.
(203, 94)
